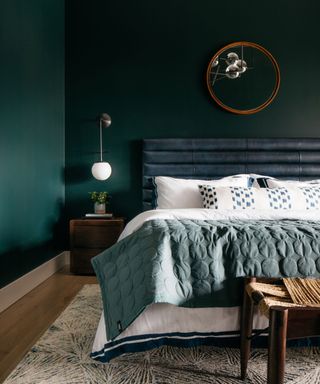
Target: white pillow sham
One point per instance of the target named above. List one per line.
(173, 193)
(266, 182)
(286, 198)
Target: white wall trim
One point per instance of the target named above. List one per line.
(12, 292)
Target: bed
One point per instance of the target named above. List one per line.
(167, 318)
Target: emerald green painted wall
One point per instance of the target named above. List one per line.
(143, 62)
(32, 133)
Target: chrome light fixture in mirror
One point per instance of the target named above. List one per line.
(243, 78)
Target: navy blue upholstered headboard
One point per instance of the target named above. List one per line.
(297, 158)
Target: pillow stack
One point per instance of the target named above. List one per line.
(173, 193)
(237, 192)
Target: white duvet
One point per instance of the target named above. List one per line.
(167, 318)
(212, 214)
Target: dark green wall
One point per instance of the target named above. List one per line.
(32, 133)
(143, 62)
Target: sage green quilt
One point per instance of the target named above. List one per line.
(197, 263)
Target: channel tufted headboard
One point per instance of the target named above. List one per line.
(294, 158)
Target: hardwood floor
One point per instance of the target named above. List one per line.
(25, 321)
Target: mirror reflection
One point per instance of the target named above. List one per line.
(243, 78)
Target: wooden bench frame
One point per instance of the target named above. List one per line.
(284, 323)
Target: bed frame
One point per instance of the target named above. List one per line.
(210, 158)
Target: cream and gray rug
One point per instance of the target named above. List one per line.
(62, 356)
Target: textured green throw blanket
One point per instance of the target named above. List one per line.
(196, 263)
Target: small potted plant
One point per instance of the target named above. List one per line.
(100, 199)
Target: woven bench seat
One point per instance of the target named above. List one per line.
(293, 309)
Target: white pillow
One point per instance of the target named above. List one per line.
(172, 193)
(276, 183)
(235, 198)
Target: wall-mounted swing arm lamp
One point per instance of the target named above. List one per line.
(101, 170)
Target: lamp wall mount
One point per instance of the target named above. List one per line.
(102, 170)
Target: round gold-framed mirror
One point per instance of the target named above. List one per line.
(243, 77)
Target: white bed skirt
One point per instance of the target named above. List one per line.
(163, 324)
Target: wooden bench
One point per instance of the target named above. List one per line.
(286, 321)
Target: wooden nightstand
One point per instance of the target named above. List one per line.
(88, 237)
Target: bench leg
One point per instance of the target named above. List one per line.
(277, 345)
(245, 330)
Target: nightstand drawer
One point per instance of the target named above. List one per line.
(95, 236)
(80, 260)
(88, 237)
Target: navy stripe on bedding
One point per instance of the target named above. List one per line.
(185, 340)
(146, 342)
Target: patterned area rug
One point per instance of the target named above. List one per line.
(62, 356)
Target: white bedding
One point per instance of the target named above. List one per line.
(209, 214)
(165, 319)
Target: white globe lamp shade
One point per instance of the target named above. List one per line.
(101, 170)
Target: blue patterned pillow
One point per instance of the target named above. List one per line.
(239, 198)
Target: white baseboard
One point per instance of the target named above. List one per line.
(12, 292)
